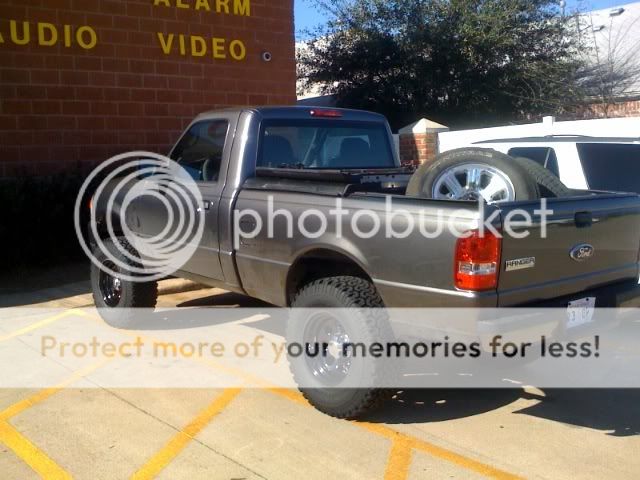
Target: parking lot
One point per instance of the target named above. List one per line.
(73, 431)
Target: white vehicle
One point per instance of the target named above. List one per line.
(588, 154)
(580, 162)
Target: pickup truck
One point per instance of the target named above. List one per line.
(295, 159)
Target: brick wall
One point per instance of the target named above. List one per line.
(419, 141)
(418, 148)
(629, 108)
(115, 79)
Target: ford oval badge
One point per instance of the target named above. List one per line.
(582, 252)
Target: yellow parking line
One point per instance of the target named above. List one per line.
(35, 458)
(41, 324)
(30, 454)
(399, 460)
(292, 395)
(161, 459)
(465, 462)
(440, 452)
(38, 397)
(400, 454)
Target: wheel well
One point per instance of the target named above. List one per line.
(317, 264)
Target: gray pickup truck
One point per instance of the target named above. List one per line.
(297, 160)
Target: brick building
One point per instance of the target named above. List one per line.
(82, 80)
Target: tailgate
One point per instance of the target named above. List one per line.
(536, 268)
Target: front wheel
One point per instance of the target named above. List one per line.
(120, 302)
(328, 314)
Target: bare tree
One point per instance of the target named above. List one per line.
(611, 71)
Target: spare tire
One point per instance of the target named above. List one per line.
(548, 184)
(473, 173)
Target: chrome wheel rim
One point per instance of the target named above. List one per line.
(474, 181)
(324, 340)
(110, 286)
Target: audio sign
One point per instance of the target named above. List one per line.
(48, 35)
(87, 37)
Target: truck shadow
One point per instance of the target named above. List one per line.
(430, 405)
(614, 412)
(208, 311)
(226, 299)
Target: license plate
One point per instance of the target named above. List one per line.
(580, 312)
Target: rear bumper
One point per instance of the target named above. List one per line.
(611, 300)
(617, 295)
(525, 323)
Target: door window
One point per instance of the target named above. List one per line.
(199, 151)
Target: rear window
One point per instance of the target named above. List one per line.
(324, 144)
(545, 156)
(609, 166)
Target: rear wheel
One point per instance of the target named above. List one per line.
(473, 174)
(120, 302)
(338, 311)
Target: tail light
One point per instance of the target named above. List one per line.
(477, 261)
(324, 113)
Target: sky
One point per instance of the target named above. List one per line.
(307, 16)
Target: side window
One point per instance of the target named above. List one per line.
(545, 156)
(611, 166)
(199, 151)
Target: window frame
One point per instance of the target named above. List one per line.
(293, 123)
(224, 152)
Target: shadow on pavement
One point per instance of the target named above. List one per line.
(437, 405)
(179, 318)
(614, 411)
(29, 286)
(227, 299)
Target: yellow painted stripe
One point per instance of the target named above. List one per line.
(292, 395)
(29, 402)
(40, 324)
(30, 454)
(406, 442)
(442, 453)
(161, 459)
(234, 371)
(399, 460)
